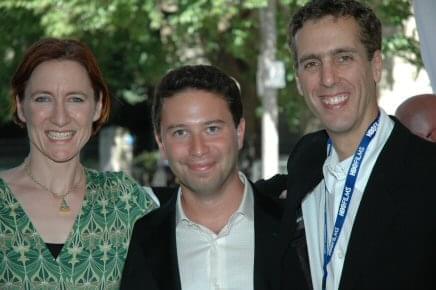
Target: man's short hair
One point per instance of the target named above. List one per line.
(199, 77)
(369, 24)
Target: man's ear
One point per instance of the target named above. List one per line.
(297, 79)
(20, 111)
(377, 66)
(240, 131)
(162, 149)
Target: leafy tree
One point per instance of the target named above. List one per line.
(13, 42)
(137, 41)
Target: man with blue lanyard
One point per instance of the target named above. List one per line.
(364, 186)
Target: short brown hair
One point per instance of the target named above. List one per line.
(199, 77)
(60, 49)
(369, 24)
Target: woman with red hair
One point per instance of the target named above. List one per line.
(63, 226)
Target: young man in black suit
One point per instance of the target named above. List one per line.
(365, 183)
(212, 232)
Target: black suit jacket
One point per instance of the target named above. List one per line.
(152, 258)
(393, 240)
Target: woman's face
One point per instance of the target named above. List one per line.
(58, 108)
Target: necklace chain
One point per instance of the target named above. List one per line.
(64, 207)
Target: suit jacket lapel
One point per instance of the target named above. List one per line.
(163, 251)
(267, 216)
(377, 209)
(304, 173)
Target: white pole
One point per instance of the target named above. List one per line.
(270, 139)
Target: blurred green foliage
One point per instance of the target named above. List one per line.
(137, 41)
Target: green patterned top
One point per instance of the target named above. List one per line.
(94, 253)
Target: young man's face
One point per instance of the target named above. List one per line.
(199, 138)
(335, 76)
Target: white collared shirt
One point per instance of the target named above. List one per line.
(223, 261)
(313, 206)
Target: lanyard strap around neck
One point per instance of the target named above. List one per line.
(347, 193)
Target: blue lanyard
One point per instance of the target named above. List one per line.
(347, 193)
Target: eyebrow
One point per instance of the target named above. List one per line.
(308, 57)
(40, 92)
(50, 93)
(77, 93)
(332, 52)
(344, 50)
(175, 126)
(184, 125)
(214, 122)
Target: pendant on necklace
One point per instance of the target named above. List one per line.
(64, 208)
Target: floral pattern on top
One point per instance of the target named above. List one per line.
(93, 255)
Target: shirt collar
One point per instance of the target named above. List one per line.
(335, 170)
(246, 208)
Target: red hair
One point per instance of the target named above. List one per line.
(60, 49)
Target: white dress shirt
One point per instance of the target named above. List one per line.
(314, 204)
(223, 261)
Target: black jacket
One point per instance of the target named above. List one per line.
(393, 240)
(152, 258)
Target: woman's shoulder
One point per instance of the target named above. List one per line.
(3, 180)
(119, 185)
(114, 181)
(11, 175)
(11, 180)
(4, 175)
(96, 176)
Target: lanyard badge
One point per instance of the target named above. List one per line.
(347, 193)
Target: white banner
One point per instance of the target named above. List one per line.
(425, 17)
